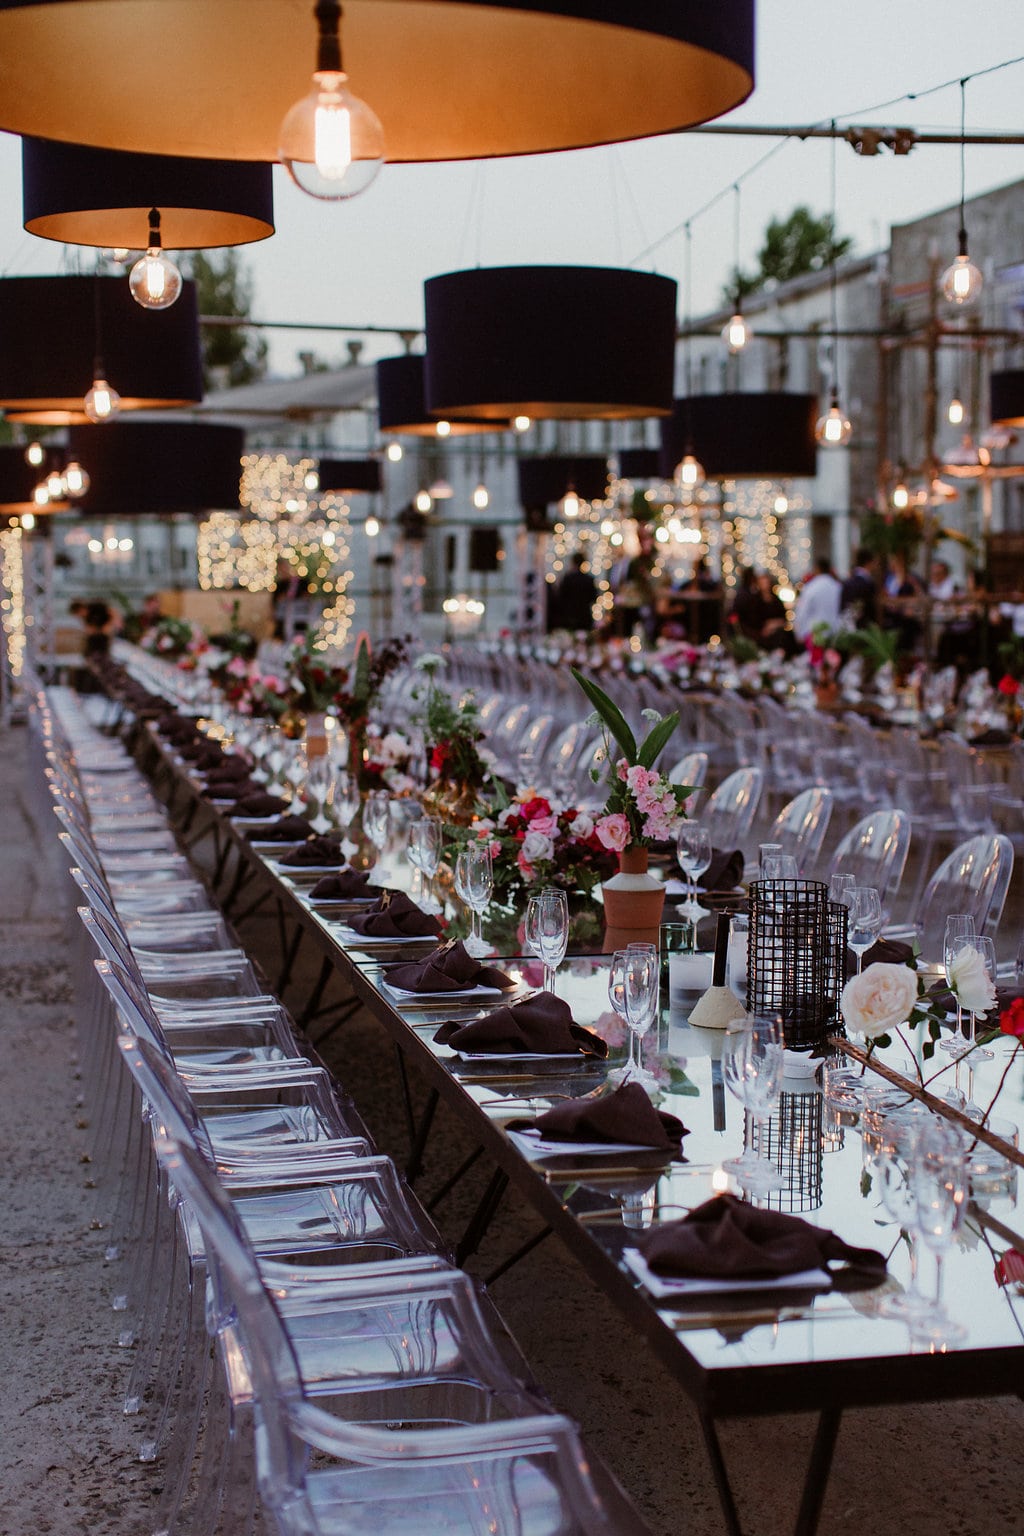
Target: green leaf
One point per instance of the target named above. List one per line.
(610, 714)
(660, 734)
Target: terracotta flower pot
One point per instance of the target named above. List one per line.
(633, 898)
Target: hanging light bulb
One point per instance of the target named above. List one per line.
(736, 333)
(481, 496)
(154, 281)
(962, 282)
(76, 481)
(331, 143)
(955, 411)
(443, 429)
(41, 495)
(833, 430)
(28, 521)
(901, 497)
(34, 455)
(394, 453)
(311, 480)
(521, 423)
(55, 486)
(780, 505)
(571, 503)
(102, 401)
(372, 527)
(690, 472)
(423, 502)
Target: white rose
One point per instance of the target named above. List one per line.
(537, 846)
(581, 825)
(971, 981)
(879, 999)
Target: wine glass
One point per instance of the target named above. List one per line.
(275, 758)
(865, 921)
(424, 847)
(779, 866)
(547, 930)
(377, 823)
(752, 1063)
(617, 998)
(940, 1187)
(893, 1160)
(319, 794)
(693, 850)
(640, 985)
(474, 883)
(841, 888)
(959, 930)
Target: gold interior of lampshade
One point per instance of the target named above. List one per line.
(458, 428)
(449, 81)
(554, 410)
(181, 229)
(69, 412)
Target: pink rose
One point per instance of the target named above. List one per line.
(641, 779)
(613, 831)
(546, 825)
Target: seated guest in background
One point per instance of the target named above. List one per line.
(818, 600)
(898, 613)
(775, 634)
(745, 613)
(99, 626)
(941, 586)
(859, 597)
(574, 597)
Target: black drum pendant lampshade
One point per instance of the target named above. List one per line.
(102, 197)
(755, 436)
(575, 343)
(449, 79)
(1006, 396)
(544, 481)
(345, 476)
(639, 463)
(53, 330)
(158, 466)
(401, 402)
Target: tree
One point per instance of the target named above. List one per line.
(801, 243)
(232, 353)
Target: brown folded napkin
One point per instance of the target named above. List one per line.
(395, 916)
(314, 852)
(887, 951)
(346, 885)
(260, 804)
(992, 738)
(231, 789)
(203, 755)
(178, 728)
(626, 1115)
(726, 1239)
(288, 829)
(724, 871)
(448, 969)
(541, 1024)
(231, 767)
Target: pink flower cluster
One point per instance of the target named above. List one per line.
(653, 813)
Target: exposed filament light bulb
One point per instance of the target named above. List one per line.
(55, 486)
(394, 453)
(690, 472)
(955, 412)
(481, 497)
(34, 454)
(331, 143)
(962, 282)
(736, 333)
(833, 430)
(901, 497)
(154, 281)
(76, 480)
(102, 402)
(571, 503)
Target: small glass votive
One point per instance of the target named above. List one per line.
(675, 938)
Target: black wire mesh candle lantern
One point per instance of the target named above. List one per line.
(794, 1142)
(795, 958)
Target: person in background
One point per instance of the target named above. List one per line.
(941, 586)
(575, 597)
(99, 626)
(632, 585)
(901, 589)
(859, 597)
(818, 600)
(745, 613)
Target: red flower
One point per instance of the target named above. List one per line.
(538, 806)
(1010, 1267)
(1011, 1020)
(1008, 686)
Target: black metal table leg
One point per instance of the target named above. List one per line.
(476, 1228)
(817, 1472)
(316, 996)
(721, 1475)
(414, 1166)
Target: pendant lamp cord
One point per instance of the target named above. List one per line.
(328, 52)
(833, 277)
(97, 312)
(963, 164)
(736, 247)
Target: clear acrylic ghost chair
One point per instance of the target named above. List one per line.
(691, 769)
(174, 932)
(974, 878)
(874, 852)
(526, 1476)
(731, 808)
(138, 897)
(222, 977)
(800, 827)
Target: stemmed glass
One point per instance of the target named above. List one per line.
(752, 1061)
(377, 823)
(940, 1188)
(693, 850)
(296, 769)
(424, 848)
(894, 1162)
(319, 794)
(275, 758)
(346, 798)
(841, 888)
(547, 930)
(959, 930)
(865, 921)
(640, 986)
(474, 883)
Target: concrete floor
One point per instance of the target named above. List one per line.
(67, 1454)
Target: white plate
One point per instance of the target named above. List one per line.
(460, 993)
(350, 936)
(533, 1144)
(303, 869)
(701, 1285)
(517, 1055)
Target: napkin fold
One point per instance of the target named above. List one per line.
(724, 871)
(347, 885)
(260, 804)
(231, 789)
(727, 1239)
(448, 969)
(231, 767)
(178, 728)
(315, 852)
(624, 1115)
(541, 1025)
(395, 916)
(288, 829)
(888, 951)
(203, 754)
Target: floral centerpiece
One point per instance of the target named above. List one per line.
(452, 734)
(537, 842)
(174, 637)
(642, 807)
(352, 704)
